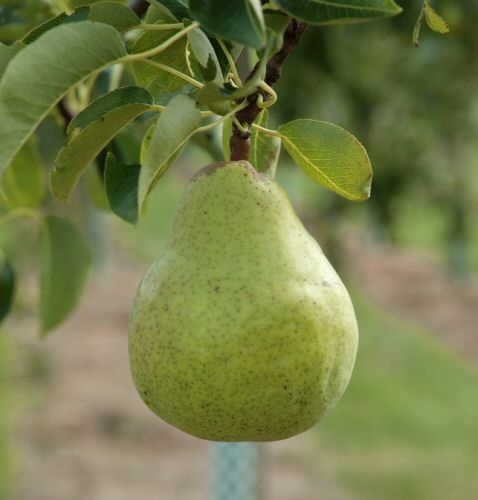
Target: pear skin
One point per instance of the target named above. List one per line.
(241, 330)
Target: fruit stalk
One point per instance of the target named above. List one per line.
(240, 140)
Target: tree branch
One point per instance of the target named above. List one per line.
(240, 141)
(139, 7)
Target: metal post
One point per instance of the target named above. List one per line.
(236, 471)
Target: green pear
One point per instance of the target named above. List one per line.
(241, 330)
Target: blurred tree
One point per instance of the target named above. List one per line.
(415, 109)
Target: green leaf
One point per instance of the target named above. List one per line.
(174, 128)
(24, 182)
(44, 71)
(7, 287)
(121, 183)
(226, 137)
(205, 55)
(159, 82)
(434, 20)
(80, 14)
(108, 102)
(7, 53)
(240, 21)
(330, 156)
(82, 149)
(213, 93)
(338, 11)
(117, 15)
(65, 263)
(265, 149)
(178, 8)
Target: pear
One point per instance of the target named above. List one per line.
(241, 330)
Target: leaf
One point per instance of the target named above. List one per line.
(226, 137)
(178, 8)
(330, 156)
(80, 14)
(338, 11)
(265, 149)
(240, 21)
(108, 102)
(160, 83)
(24, 183)
(43, 72)
(79, 153)
(65, 263)
(121, 183)
(213, 93)
(205, 55)
(174, 128)
(7, 53)
(434, 20)
(117, 15)
(7, 287)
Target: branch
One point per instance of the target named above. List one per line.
(240, 141)
(139, 7)
(65, 112)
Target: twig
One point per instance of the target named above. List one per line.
(140, 7)
(66, 113)
(240, 140)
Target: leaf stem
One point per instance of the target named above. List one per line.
(223, 118)
(268, 131)
(232, 64)
(161, 47)
(20, 212)
(157, 27)
(175, 72)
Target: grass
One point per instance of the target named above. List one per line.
(5, 460)
(407, 427)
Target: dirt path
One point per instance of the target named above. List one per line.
(417, 288)
(87, 436)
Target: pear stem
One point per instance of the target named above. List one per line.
(240, 139)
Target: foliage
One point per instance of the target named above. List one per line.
(101, 73)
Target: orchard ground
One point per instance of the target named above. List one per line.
(404, 429)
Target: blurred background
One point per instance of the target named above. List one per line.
(71, 424)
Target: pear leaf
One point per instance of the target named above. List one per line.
(24, 183)
(160, 83)
(7, 287)
(338, 11)
(42, 73)
(65, 263)
(7, 53)
(173, 129)
(80, 14)
(330, 156)
(122, 96)
(226, 137)
(239, 21)
(205, 55)
(265, 149)
(117, 15)
(82, 149)
(434, 20)
(121, 183)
